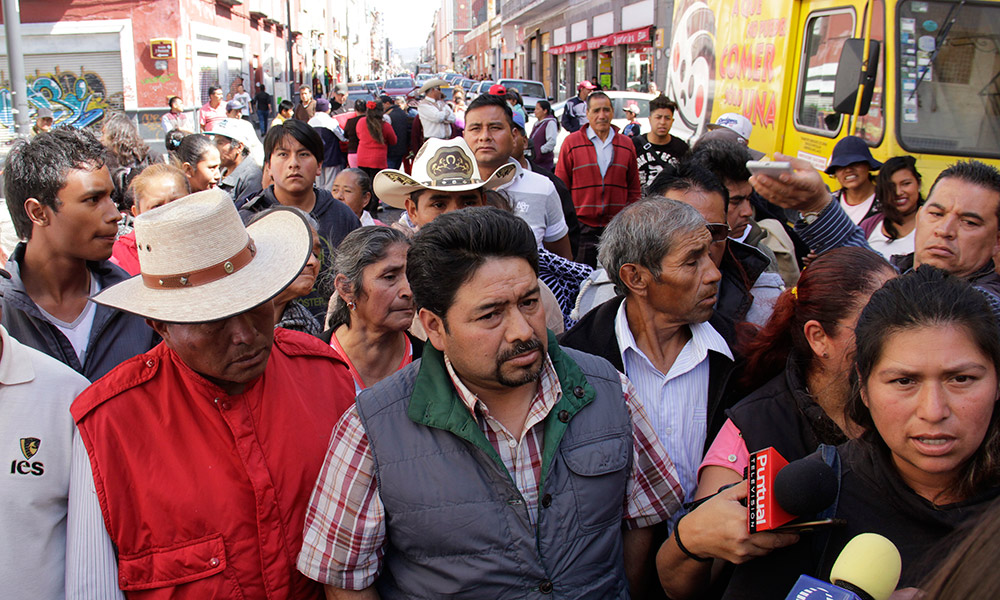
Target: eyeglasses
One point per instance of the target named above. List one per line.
(719, 231)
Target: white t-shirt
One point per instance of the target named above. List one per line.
(245, 99)
(534, 198)
(886, 247)
(36, 432)
(859, 211)
(78, 332)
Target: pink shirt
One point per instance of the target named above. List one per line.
(729, 450)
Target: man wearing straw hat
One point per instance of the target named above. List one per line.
(436, 116)
(193, 459)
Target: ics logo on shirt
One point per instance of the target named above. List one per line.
(29, 447)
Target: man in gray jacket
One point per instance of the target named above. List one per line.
(506, 466)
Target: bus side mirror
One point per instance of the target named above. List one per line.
(849, 76)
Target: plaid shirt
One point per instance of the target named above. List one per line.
(345, 534)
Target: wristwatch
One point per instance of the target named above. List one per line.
(808, 218)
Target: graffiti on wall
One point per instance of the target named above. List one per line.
(75, 100)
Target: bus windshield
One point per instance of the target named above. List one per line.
(949, 77)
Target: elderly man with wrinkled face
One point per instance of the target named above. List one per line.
(192, 459)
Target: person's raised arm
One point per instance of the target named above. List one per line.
(823, 225)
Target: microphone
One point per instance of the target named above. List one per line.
(867, 569)
(779, 491)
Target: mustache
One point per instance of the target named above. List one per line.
(520, 348)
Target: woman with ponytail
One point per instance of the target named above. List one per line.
(799, 364)
(375, 135)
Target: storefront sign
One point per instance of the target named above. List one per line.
(633, 36)
(161, 49)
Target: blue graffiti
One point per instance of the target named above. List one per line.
(74, 101)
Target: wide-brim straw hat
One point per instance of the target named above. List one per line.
(430, 84)
(199, 263)
(442, 165)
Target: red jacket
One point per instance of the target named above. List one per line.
(204, 494)
(372, 154)
(598, 200)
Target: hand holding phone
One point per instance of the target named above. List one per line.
(771, 168)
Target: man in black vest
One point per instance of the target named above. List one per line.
(506, 466)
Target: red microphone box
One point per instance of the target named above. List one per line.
(763, 512)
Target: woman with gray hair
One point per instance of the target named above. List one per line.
(373, 307)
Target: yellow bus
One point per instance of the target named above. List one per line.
(930, 81)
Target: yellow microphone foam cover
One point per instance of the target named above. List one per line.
(869, 562)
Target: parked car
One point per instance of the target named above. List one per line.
(400, 86)
(467, 84)
(531, 91)
(480, 87)
(451, 77)
(422, 77)
(618, 101)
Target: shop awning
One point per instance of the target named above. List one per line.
(632, 36)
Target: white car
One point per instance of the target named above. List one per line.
(531, 91)
(618, 101)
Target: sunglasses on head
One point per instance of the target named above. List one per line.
(719, 231)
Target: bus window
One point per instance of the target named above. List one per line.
(949, 78)
(825, 35)
(871, 127)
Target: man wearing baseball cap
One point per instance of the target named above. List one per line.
(575, 112)
(237, 143)
(338, 100)
(192, 460)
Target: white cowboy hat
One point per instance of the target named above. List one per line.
(430, 84)
(443, 165)
(199, 263)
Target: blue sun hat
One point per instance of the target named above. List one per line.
(850, 150)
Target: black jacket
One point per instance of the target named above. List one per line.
(741, 266)
(401, 126)
(595, 333)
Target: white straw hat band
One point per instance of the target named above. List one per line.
(206, 275)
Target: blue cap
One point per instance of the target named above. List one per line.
(519, 121)
(850, 150)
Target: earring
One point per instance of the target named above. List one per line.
(351, 305)
(826, 355)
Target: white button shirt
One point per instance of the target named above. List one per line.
(676, 402)
(605, 151)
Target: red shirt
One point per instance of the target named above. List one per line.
(125, 254)
(205, 489)
(372, 154)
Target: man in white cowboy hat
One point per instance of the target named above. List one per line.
(436, 116)
(445, 177)
(192, 460)
(239, 153)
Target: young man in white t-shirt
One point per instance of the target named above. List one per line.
(59, 196)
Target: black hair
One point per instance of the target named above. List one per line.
(688, 175)
(170, 101)
(449, 250)
(360, 106)
(726, 159)
(285, 105)
(545, 105)
(974, 172)
(37, 168)
(211, 90)
(661, 102)
(300, 131)
(929, 297)
(491, 100)
(885, 191)
(596, 95)
(192, 149)
(172, 140)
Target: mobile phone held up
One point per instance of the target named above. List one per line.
(771, 168)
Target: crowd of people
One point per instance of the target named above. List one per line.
(222, 375)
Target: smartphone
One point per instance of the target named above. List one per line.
(769, 167)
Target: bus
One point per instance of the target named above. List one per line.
(928, 73)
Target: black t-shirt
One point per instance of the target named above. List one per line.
(653, 157)
(262, 101)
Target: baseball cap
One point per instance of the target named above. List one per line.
(322, 105)
(340, 88)
(498, 90)
(725, 133)
(632, 108)
(586, 84)
(518, 121)
(235, 130)
(234, 105)
(734, 121)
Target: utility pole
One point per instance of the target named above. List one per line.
(291, 55)
(15, 59)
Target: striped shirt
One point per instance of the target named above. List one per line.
(345, 530)
(676, 401)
